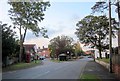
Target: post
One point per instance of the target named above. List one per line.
(110, 37)
(118, 7)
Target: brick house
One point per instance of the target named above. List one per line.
(44, 52)
(30, 48)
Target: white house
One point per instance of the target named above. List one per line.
(97, 53)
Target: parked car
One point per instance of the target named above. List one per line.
(89, 57)
(42, 57)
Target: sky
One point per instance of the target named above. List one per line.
(60, 19)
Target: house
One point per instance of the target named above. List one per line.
(89, 52)
(116, 59)
(44, 52)
(102, 53)
(30, 49)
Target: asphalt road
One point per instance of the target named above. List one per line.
(50, 70)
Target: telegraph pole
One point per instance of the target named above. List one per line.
(118, 11)
(110, 37)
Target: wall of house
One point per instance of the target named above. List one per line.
(97, 53)
(45, 53)
(116, 59)
(116, 65)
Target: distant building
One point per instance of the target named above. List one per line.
(44, 52)
(89, 52)
(30, 51)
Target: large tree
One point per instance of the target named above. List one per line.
(61, 44)
(94, 30)
(26, 16)
(9, 42)
(101, 7)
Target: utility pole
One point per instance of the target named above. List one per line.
(118, 11)
(110, 37)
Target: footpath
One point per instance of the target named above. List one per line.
(98, 72)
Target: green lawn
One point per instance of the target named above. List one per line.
(89, 77)
(104, 60)
(19, 66)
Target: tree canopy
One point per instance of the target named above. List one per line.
(61, 44)
(101, 7)
(94, 30)
(27, 15)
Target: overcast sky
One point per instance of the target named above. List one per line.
(60, 19)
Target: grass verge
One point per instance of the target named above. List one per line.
(104, 60)
(19, 66)
(55, 60)
(89, 77)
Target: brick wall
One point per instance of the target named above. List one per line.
(116, 70)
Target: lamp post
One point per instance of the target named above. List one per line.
(110, 37)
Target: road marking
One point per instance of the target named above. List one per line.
(82, 71)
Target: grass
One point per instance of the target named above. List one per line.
(89, 77)
(55, 60)
(104, 60)
(19, 66)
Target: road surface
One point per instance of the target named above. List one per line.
(50, 70)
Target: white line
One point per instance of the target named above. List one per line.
(83, 68)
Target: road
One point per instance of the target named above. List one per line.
(50, 70)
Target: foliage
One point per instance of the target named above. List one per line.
(103, 6)
(100, 7)
(61, 44)
(9, 43)
(94, 31)
(78, 49)
(27, 15)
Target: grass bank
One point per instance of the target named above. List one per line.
(89, 77)
(19, 66)
(104, 60)
(55, 60)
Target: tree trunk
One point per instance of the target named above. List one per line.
(22, 38)
(21, 49)
(100, 47)
(100, 52)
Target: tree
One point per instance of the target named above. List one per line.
(94, 30)
(78, 49)
(9, 42)
(60, 44)
(26, 16)
(102, 6)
